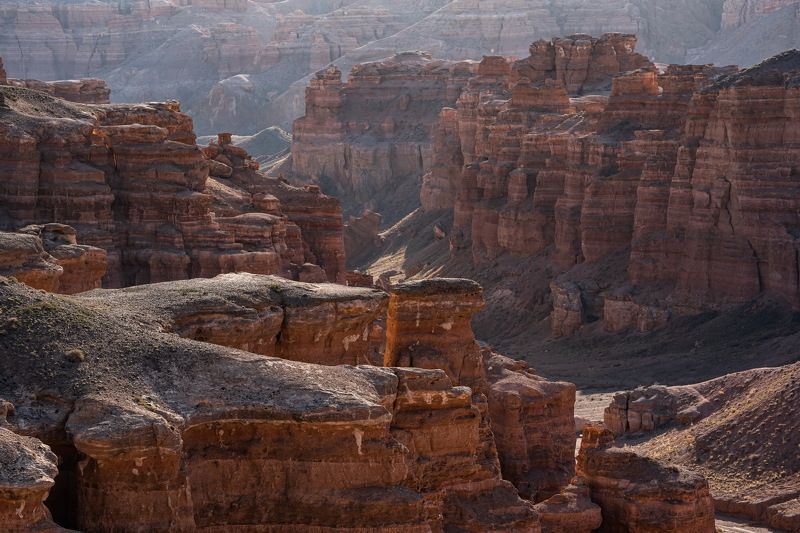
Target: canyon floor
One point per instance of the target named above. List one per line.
(516, 321)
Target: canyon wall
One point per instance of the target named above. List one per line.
(241, 65)
(202, 435)
(674, 193)
(130, 180)
(368, 140)
(157, 432)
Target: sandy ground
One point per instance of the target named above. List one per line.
(728, 524)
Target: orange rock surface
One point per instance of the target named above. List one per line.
(637, 494)
(48, 257)
(177, 434)
(131, 181)
(655, 199)
(27, 473)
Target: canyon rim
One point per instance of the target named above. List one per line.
(430, 266)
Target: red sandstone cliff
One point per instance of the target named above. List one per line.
(689, 180)
(158, 432)
(131, 181)
(368, 140)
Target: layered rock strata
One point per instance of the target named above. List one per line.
(27, 474)
(367, 140)
(172, 433)
(320, 324)
(638, 494)
(48, 257)
(83, 91)
(308, 221)
(131, 181)
(671, 180)
(570, 511)
(527, 418)
(720, 428)
(428, 326)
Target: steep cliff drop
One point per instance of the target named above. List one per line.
(595, 195)
(130, 181)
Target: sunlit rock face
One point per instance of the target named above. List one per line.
(128, 183)
(158, 432)
(667, 175)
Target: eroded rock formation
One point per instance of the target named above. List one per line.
(84, 91)
(649, 201)
(27, 473)
(368, 140)
(570, 511)
(321, 324)
(164, 429)
(722, 429)
(638, 494)
(131, 181)
(428, 326)
(48, 257)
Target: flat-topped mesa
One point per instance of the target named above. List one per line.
(131, 181)
(82, 91)
(428, 326)
(27, 472)
(226, 438)
(368, 140)
(638, 494)
(322, 324)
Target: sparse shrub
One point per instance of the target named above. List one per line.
(75, 355)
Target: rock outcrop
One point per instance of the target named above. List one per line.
(368, 140)
(131, 181)
(723, 429)
(428, 326)
(638, 494)
(158, 432)
(653, 201)
(84, 91)
(570, 511)
(27, 475)
(49, 258)
(320, 324)
(309, 221)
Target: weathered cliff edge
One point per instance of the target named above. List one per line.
(674, 194)
(130, 180)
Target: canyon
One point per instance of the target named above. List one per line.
(630, 188)
(130, 180)
(555, 289)
(220, 431)
(242, 65)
